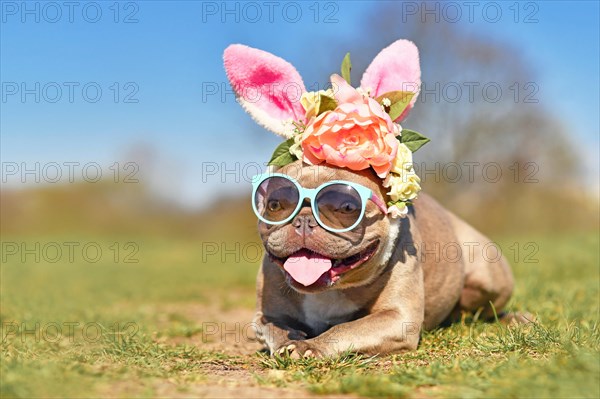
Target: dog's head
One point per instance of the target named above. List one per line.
(334, 259)
(341, 133)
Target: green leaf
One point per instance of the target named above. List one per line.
(346, 67)
(282, 156)
(413, 140)
(326, 103)
(399, 101)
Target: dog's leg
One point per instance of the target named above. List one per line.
(488, 277)
(277, 308)
(273, 334)
(377, 333)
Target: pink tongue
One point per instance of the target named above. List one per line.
(306, 267)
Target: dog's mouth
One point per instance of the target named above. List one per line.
(308, 267)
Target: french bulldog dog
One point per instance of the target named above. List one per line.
(373, 284)
(396, 276)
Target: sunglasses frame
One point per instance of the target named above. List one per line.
(311, 193)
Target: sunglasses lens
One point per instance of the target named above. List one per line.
(339, 206)
(276, 198)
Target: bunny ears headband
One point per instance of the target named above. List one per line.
(354, 128)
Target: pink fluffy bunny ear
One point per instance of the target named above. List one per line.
(267, 87)
(395, 68)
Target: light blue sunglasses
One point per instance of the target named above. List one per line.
(338, 205)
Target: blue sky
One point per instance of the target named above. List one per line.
(171, 51)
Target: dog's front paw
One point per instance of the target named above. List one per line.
(299, 349)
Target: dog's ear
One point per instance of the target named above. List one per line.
(267, 87)
(395, 68)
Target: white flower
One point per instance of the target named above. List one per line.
(386, 102)
(403, 161)
(289, 129)
(311, 101)
(366, 92)
(403, 187)
(296, 148)
(397, 130)
(399, 209)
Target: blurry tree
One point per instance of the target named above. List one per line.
(484, 110)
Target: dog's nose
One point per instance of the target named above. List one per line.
(304, 222)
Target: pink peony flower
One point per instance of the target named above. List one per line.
(358, 134)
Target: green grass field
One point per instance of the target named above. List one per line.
(75, 328)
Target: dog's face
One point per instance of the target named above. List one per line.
(356, 257)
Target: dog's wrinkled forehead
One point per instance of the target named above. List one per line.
(312, 176)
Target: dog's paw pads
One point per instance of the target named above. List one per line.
(286, 350)
(298, 350)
